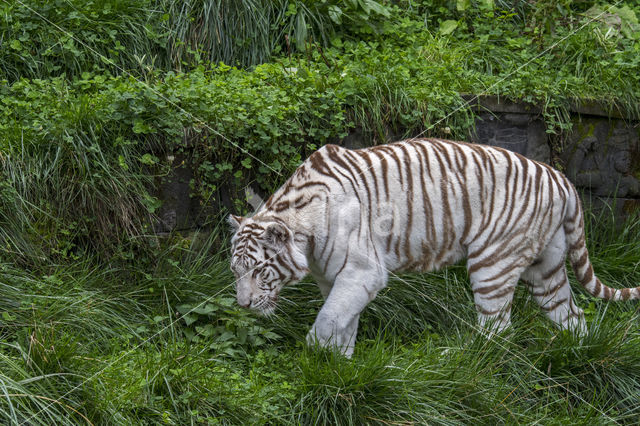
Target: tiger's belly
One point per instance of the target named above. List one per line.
(421, 256)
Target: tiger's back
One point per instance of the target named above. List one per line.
(425, 204)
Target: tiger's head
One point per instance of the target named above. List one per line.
(264, 258)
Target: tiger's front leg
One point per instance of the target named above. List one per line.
(336, 325)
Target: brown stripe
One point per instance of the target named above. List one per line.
(608, 292)
(549, 308)
(578, 244)
(409, 198)
(352, 183)
(328, 258)
(525, 177)
(385, 172)
(447, 225)
(586, 278)
(423, 149)
(485, 312)
(492, 193)
(392, 153)
(497, 253)
(326, 240)
(538, 190)
(626, 293)
(597, 288)
(552, 272)
(354, 164)
(582, 260)
(317, 163)
(307, 202)
(445, 152)
(501, 293)
(554, 289)
(312, 183)
(488, 289)
(283, 205)
(504, 271)
(370, 169)
(346, 258)
(429, 225)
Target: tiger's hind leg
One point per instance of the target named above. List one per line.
(493, 285)
(550, 287)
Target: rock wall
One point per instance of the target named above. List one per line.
(601, 156)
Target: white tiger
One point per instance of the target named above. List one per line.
(350, 216)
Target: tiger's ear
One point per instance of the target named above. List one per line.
(234, 221)
(276, 235)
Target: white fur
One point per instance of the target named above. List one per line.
(510, 216)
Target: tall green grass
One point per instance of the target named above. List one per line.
(109, 344)
(90, 324)
(55, 196)
(237, 33)
(67, 38)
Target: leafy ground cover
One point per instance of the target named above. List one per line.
(98, 131)
(101, 321)
(165, 343)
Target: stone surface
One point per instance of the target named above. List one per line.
(521, 133)
(178, 211)
(601, 155)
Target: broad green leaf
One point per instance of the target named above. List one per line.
(379, 8)
(242, 335)
(226, 301)
(335, 13)
(139, 126)
(627, 14)
(151, 203)
(629, 21)
(364, 4)
(462, 5)
(487, 4)
(149, 159)
(183, 309)
(189, 334)
(227, 335)
(205, 309)
(448, 26)
(206, 330)
(189, 319)
(271, 335)
(122, 162)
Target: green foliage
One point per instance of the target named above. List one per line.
(320, 20)
(107, 348)
(230, 330)
(102, 321)
(104, 140)
(58, 152)
(68, 37)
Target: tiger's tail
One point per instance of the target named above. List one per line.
(579, 258)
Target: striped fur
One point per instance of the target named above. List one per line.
(350, 216)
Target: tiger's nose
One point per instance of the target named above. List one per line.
(245, 302)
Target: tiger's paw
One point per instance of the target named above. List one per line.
(330, 338)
